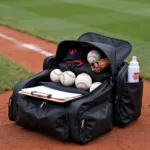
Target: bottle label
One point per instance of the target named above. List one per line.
(136, 75)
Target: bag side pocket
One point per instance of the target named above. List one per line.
(95, 122)
(128, 106)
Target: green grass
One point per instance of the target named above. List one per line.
(11, 73)
(58, 20)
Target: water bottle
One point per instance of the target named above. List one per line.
(133, 70)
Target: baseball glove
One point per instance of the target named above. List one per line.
(98, 66)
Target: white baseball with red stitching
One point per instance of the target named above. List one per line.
(67, 78)
(83, 81)
(55, 75)
(94, 86)
(93, 55)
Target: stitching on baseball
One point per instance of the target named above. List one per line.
(94, 52)
(82, 83)
(84, 74)
(58, 73)
(93, 57)
(69, 75)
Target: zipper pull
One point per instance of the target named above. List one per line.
(10, 101)
(111, 80)
(117, 97)
(82, 123)
(43, 103)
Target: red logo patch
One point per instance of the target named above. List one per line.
(73, 51)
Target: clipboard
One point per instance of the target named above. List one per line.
(46, 96)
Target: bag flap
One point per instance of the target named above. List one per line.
(108, 51)
(121, 47)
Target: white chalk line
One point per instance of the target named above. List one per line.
(25, 45)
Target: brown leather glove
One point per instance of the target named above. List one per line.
(99, 65)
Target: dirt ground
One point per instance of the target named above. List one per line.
(136, 136)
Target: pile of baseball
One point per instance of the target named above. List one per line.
(82, 81)
(67, 78)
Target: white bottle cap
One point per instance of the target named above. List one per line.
(134, 61)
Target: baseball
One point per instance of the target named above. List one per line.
(67, 78)
(93, 55)
(55, 75)
(83, 81)
(94, 86)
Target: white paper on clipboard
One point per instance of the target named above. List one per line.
(54, 93)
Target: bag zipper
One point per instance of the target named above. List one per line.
(120, 76)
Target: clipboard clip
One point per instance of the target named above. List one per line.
(41, 94)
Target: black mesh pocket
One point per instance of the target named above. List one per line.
(129, 103)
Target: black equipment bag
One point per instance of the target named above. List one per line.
(92, 115)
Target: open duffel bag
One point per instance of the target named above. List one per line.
(82, 119)
(127, 97)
